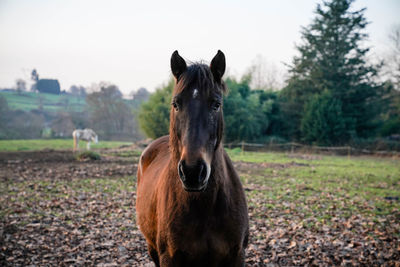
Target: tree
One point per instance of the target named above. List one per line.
(74, 90)
(109, 115)
(241, 114)
(141, 95)
(34, 75)
(19, 124)
(390, 115)
(35, 79)
(264, 75)
(4, 117)
(20, 86)
(393, 60)
(62, 125)
(138, 97)
(323, 121)
(154, 114)
(250, 115)
(77, 90)
(332, 57)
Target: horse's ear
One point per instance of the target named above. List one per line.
(218, 65)
(178, 65)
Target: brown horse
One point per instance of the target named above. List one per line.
(190, 203)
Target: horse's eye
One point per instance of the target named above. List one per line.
(217, 106)
(175, 105)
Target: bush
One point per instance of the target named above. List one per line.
(391, 126)
(88, 155)
(154, 114)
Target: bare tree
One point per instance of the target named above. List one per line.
(265, 75)
(35, 79)
(62, 125)
(77, 90)
(34, 75)
(140, 95)
(74, 90)
(109, 113)
(20, 86)
(392, 68)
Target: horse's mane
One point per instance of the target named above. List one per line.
(199, 75)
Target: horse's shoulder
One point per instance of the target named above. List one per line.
(228, 162)
(233, 175)
(152, 150)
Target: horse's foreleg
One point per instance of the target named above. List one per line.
(88, 145)
(154, 255)
(176, 260)
(236, 259)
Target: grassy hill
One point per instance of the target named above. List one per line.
(28, 101)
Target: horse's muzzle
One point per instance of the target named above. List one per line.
(194, 177)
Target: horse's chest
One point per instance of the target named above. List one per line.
(202, 241)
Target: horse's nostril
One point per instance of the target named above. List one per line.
(202, 172)
(180, 170)
(201, 169)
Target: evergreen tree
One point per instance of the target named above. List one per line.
(323, 122)
(333, 57)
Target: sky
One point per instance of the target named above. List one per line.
(129, 43)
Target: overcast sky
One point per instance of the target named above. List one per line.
(129, 43)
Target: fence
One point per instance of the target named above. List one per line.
(300, 148)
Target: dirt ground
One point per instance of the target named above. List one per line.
(57, 221)
(57, 211)
(44, 165)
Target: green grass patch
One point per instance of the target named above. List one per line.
(29, 100)
(60, 144)
(127, 154)
(88, 155)
(237, 154)
(321, 188)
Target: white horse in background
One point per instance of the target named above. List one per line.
(87, 135)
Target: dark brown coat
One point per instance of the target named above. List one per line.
(204, 227)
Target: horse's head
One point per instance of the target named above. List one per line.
(196, 118)
(95, 138)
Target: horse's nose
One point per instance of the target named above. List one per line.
(192, 175)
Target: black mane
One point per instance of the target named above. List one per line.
(199, 75)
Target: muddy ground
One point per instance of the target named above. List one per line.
(57, 211)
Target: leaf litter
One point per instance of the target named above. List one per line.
(56, 211)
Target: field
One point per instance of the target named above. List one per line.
(50, 102)
(304, 209)
(40, 144)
